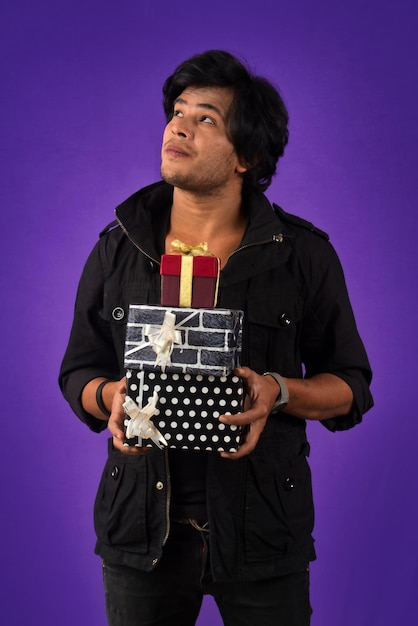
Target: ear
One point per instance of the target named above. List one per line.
(242, 166)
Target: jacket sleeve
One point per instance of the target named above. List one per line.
(330, 339)
(90, 352)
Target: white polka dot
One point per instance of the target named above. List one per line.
(205, 390)
(223, 379)
(161, 424)
(163, 376)
(169, 388)
(191, 437)
(192, 413)
(180, 413)
(180, 389)
(221, 426)
(157, 388)
(222, 402)
(233, 427)
(220, 449)
(167, 436)
(204, 414)
(215, 414)
(193, 389)
(128, 374)
(211, 379)
(174, 400)
(217, 390)
(151, 375)
(199, 378)
(209, 425)
(227, 439)
(211, 402)
(198, 401)
(186, 425)
(173, 424)
(234, 403)
(197, 425)
(162, 400)
(133, 387)
(202, 437)
(179, 436)
(186, 401)
(168, 412)
(215, 438)
(176, 376)
(145, 387)
(187, 377)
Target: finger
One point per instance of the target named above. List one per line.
(242, 419)
(129, 450)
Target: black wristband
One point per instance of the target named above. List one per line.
(99, 398)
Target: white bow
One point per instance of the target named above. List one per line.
(162, 338)
(139, 424)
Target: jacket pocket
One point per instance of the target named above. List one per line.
(279, 509)
(120, 506)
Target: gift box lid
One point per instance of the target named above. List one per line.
(202, 265)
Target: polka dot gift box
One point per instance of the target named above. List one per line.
(179, 366)
(187, 409)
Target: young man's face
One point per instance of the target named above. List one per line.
(197, 155)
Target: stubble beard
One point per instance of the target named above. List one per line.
(208, 184)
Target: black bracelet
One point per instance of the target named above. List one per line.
(99, 398)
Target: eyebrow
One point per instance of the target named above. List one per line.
(200, 105)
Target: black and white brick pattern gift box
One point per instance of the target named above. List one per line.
(183, 340)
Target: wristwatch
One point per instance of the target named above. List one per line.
(283, 397)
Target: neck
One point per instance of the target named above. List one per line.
(219, 220)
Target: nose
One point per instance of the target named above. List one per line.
(180, 128)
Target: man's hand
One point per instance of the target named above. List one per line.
(116, 421)
(261, 394)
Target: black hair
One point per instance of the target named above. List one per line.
(258, 119)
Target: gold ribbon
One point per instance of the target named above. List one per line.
(197, 249)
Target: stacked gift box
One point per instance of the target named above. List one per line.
(179, 364)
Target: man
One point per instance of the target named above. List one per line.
(173, 525)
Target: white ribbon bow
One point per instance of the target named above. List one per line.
(139, 424)
(162, 338)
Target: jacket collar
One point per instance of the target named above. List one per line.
(144, 218)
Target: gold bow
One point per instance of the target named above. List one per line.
(198, 249)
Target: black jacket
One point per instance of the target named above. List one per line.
(287, 279)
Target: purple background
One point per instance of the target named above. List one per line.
(81, 124)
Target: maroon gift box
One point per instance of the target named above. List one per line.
(205, 276)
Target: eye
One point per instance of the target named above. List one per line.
(208, 120)
(177, 113)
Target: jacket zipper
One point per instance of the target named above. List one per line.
(168, 498)
(279, 238)
(135, 244)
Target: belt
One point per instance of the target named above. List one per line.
(197, 524)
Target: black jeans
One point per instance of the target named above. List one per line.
(171, 595)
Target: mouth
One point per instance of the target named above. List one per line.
(175, 151)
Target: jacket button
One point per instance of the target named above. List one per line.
(289, 484)
(284, 320)
(115, 473)
(159, 485)
(154, 561)
(118, 313)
